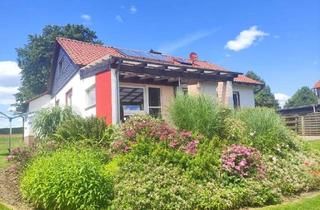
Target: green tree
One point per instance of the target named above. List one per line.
(35, 57)
(263, 97)
(304, 96)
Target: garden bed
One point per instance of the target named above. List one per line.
(208, 157)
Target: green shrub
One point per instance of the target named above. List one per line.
(91, 131)
(198, 114)
(265, 130)
(67, 179)
(152, 186)
(293, 174)
(234, 130)
(244, 194)
(47, 120)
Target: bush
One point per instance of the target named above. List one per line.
(90, 131)
(152, 186)
(242, 161)
(198, 114)
(293, 174)
(265, 130)
(67, 179)
(144, 127)
(47, 120)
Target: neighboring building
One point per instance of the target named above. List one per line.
(114, 83)
(304, 110)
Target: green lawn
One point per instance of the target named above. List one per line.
(312, 203)
(2, 207)
(16, 142)
(315, 144)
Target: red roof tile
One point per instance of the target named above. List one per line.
(317, 85)
(83, 53)
(247, 80)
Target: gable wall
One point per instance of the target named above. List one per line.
(62, 76)
(246, 95)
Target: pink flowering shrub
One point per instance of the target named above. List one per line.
(21, 155)
(157, 130)
(243, 161)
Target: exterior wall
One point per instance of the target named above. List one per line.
(79, 95)
(246, 95)
(34, 105)
(104, 96)
(206, 88)
(225, 90)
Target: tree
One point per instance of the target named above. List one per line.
(36, 56)
(304, 96)
(263, 97)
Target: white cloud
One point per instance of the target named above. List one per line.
(86, 17)
(184, 41)
(119, 18)
(245, 39)
(133, 9)
(7, 95)
(8, 90)
(281, 98)
(9, 68)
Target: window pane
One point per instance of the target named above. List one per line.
(91, 96)
(236, 99)
(154, 97)
(131, 101)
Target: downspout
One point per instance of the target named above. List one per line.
(261, 87)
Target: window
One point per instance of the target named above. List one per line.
(154, 102)
(91, 96)
(69, 98)
(236, 99)
(131, 101)
(57, 102)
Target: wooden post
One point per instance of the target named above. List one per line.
(302, 126)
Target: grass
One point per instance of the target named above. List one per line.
(309, 203)
(3, 207)
(16, 142)
(315, 144)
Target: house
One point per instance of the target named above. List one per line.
(113, 83)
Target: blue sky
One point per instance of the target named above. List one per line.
(278, 39)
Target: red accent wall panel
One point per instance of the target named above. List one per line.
(104, 96)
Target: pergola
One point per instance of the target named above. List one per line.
(146, 71)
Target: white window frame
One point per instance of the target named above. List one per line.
(89, 106)
(145, 88)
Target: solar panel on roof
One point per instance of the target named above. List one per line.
(142, 54)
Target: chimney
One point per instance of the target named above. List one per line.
(193, 57)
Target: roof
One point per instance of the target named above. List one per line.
(317, 85)
(84, 53)
(246, 80)
(36, 97)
